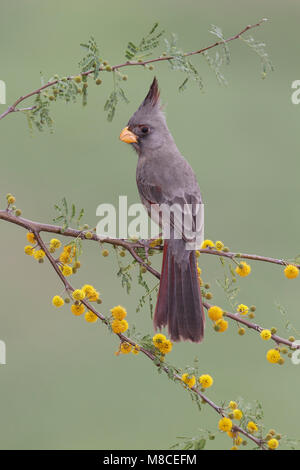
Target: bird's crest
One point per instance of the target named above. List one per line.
(152, 97)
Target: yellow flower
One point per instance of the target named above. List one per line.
(67, 270)
(242, 309)
(232, 434)
(215, 313)
(199, 270)
(273, 356)
(57, 301)
(225, 424)
(90, 292)
(158, 339)
(189, 380)
(28, 250)
(291, 271)
(265, 334)
(252, 427)
(273, 444)
(90, 317)
(31, 238)
(243, 269)
(197, 252)
(238, 441)
(39, 254)
(237, 414)
(78, 294)
(119, 326)
(207, 244)
(165, 347)
(11, 200)
(54, 243)
(118, 312)
(219, 245)
(125, 348)
(221, 325)
(206, 381)
(77, 309)
(233, 405)
(234, 448)
(65, 258)
(136, 349)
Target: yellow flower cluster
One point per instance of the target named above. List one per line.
(163, 344)
(252, 427)
(291, 271)
(242, 309)
(265, 335)
(243, 269)
(225, 424)
(273, 356)
(119, 324)
(215, 313)
(206, 380)
(189, 380)
(57, 301)
(218, 245)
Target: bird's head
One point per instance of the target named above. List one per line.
(147, 128)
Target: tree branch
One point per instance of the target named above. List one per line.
(13, 107)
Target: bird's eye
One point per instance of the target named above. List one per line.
(145, 129)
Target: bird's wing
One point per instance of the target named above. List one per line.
(183, 212)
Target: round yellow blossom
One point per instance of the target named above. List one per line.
(65, 258)
(273, 356)
(291, 271)
(78, 294)
(136, 349)
(57, 301)
(119, 312)
(232, 434)
(233, 405)
(199, 270)
(189, 380)
(11, 200)
(252, 427)
(77, 309)
(119, 326)
(67, 270)
(158, 339)
(215, 313)
(197, 252)
(207, 244)
(165, 347)
(273, 444)
(90, 317)
(219, 245)
(90, 292)
(238, 441)
(54, 243)
(28, 250)
(243, 269)
(221, 325)
(242, 309)
(31, 238)
(237, 414)
(206, 380)
(39, 254)
(105, 253)
(234, 448)
(225, 424)
(125, 348)
(265, 334)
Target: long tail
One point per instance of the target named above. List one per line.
(179, 303)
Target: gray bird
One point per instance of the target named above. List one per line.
(163, 176)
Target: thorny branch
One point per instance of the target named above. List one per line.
(131, 247)
(13, 108)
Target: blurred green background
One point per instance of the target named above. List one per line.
(62, 386)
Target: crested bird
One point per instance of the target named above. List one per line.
(164, 177)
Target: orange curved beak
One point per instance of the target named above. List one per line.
(128, 136)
